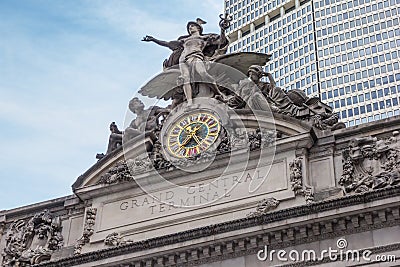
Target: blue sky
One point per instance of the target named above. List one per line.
(68, 69)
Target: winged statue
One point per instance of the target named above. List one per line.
(198, 65)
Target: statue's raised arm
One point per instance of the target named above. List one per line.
(224, 24)
(175, 46)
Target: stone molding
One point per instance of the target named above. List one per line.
(308, 232)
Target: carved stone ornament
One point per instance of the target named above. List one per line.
(32, 241)
(88, 230)
(370, 163)
(259, 139)
(115, 239)
(124, 170)
(264, 206)
(296, 180)
(116, 174)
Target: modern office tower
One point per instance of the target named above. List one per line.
(346, 52)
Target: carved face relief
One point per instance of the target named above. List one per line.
(193, 28)
(136, 106)
(254, 76)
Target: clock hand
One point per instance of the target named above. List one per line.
(196, 129)
(196, 139)
(187, 131)
(187, 139)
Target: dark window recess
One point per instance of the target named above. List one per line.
(260, 25)
(245, 33)
(275, 17)
(290, 9)
(304, 2)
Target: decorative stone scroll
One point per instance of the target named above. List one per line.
(370, 163)
(88, 230)
(264, 206)
(32, 241)
(115, 239)
(296, 180)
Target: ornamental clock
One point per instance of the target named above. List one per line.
(191, 134)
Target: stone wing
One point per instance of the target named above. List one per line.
(243, 60)
(228, 70)
(162, 86)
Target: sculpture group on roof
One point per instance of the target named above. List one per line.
(192, 70)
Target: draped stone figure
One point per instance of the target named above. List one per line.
(260, 95)
(191, 52)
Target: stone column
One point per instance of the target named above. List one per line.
(282, 9)
(239, 34)
(266, 19)
(297, 3)
(252, 27)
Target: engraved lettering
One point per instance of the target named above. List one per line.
(191, 190)
(134, 202)
(124, 205)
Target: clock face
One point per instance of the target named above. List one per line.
(193, 134)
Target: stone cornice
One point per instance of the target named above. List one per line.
(379, 219)
(27, 211)
(371, 128)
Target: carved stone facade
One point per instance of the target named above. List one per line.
(370, 163)
(32, 241)
(124, 225)
(118, 173)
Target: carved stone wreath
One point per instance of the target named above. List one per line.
(32, 241)
(369, 164)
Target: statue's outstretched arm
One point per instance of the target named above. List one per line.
(173, 45)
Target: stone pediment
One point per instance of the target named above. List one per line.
(286, 126)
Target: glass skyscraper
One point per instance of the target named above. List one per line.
(345, 52)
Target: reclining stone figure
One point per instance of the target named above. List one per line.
(259, 95)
